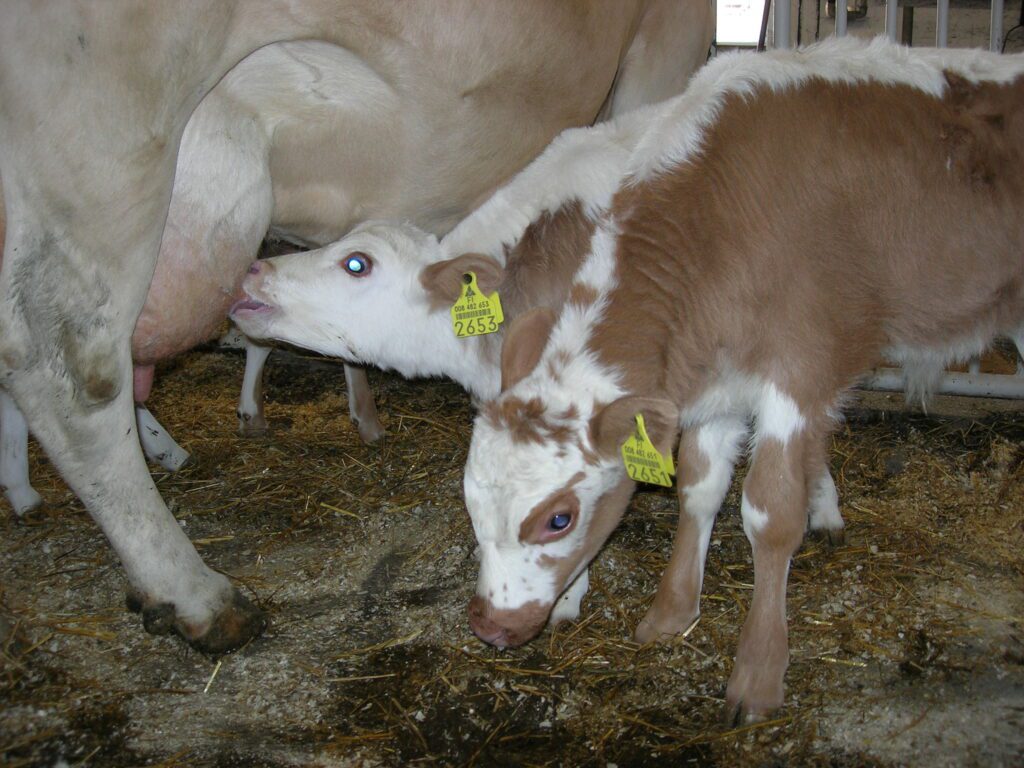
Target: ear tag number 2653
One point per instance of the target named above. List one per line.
(473, 313)
(644, 462)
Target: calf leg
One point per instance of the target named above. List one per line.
(774, 509)
(567, 608)
(825, 517)
(14, 458)
(361, 407)
(1018, 341)
(251, 421)
(706, 459)
(157, 443)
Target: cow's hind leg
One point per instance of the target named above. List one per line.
(14, 458)
(824, 519)
(707, 455)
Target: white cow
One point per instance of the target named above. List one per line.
(94, 100)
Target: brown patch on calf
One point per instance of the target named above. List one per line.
(542, 264)
(603, 519)
(582, 295)
(818, 226)
(524, 344)
(564, 500)
(526, 421)
(612, 425)
(443, 281)
(981, 125)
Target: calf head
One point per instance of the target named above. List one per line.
(544, 482)
(380, 295)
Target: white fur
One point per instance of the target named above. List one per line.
(14, 458)
(157, 443)
(719, 442)
(923, 366)
(824, 504)
(568, 606)
(754, 518)
(584, 164)
(778, 415)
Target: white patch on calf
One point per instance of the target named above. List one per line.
(511, 577)
(581, 164)
(754, 518)
(719, 442)
(824, 504)
(778, 415)
(568, 606)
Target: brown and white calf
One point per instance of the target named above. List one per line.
(790, 218)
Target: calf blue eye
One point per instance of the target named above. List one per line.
(357, 264)
(560, 522)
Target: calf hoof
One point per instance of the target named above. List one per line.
(653, 628)
(737, 714)
(13, 641)
(369, 431)
(23, 500)
(834, 537)
(237, 623)
(753, 695)
(251, 424)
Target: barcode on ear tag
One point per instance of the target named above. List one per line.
(476, 314)
(644, 463)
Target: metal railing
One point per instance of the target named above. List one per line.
(783, 22)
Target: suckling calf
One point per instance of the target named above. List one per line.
(789, 219)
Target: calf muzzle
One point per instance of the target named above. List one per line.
(504, 628)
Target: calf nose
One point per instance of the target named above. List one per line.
(255, 267)
(483, 627)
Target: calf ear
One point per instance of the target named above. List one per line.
(613, 424)
(443, 280)
(524, 342)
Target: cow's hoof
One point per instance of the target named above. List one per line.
(157, 618)
(252, 425)
(237, 623)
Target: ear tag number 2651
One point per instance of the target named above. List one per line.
(644, 462)
(473, 313)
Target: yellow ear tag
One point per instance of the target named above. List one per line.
(644, 462)
(473, 313)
